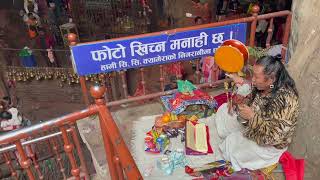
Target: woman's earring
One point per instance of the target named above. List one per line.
(271, 86)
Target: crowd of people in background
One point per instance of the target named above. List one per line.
(209, 70)
(42, 20)
(231, 9)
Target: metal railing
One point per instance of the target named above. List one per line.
(117, 153)
(49, 150)
(161, 72)
(120, 162)
(253, 20)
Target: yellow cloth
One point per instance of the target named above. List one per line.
(267, 172)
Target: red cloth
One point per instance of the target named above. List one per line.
(221, 99)
(293, 168)
(197, 95)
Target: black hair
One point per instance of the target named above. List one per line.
(197, 19)
(274, 67)
(5, 115)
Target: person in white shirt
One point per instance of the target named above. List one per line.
(8, 124)
(11, 119)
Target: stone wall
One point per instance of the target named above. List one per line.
(43, 100)
(305, 68)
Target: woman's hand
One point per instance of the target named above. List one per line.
(238, 99)
(245, 112)
(235, 78)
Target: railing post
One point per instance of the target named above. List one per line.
(24, 161)
(124, 83)
(34, 160)
(270, 34)
(111, 133)
(108, 86)
(76, 141)
(143, 82)
(286, 38)
(59, 158)
(68, 148)
(161, 78)
(198, 72)
(109, 150)
(255, 11)
(7, 158)
(72, 38)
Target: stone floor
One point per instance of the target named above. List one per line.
(90, 132)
